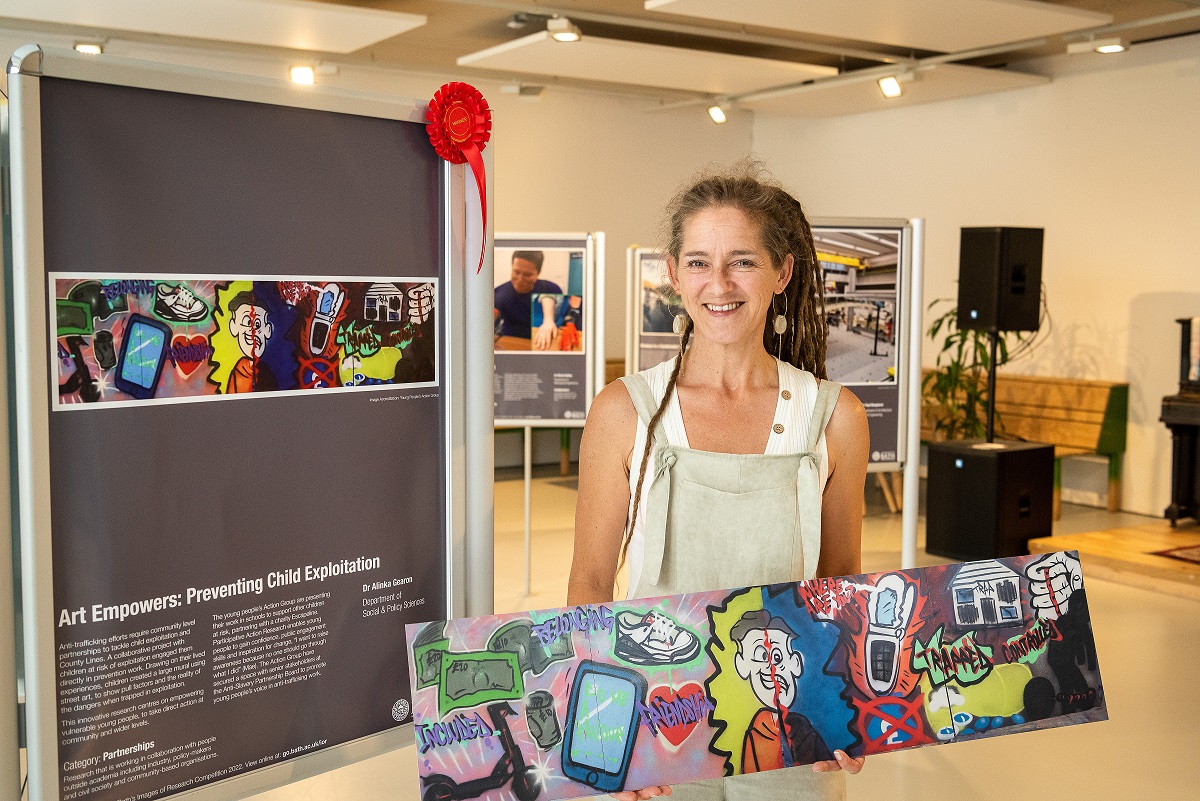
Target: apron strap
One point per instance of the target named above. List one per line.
(643, 401)
(655, 512)
(810, 504)
(827, 395)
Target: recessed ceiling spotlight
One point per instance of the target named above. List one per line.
(890, 85)
(1111, 44)
(717, 112)
(90, 48)
(563, 30)
(304, 74)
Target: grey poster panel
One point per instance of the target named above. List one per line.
(231, 579)
(539, 386)
(883, 419)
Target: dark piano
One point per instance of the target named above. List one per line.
(1181, 413)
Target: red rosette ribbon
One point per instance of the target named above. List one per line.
(460, 125)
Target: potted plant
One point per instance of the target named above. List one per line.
(955, 391)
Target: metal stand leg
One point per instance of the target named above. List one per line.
(528, 510)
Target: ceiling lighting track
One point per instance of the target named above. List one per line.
(928, 63)
(1118, 27)
(689, 30)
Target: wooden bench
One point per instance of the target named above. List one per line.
(1076, 416)
(613, 369)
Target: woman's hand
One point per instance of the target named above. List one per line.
(643, 794)
(841, 761)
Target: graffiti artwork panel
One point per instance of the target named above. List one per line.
(141, 338)
(600, 698)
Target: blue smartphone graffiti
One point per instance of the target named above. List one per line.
(602, 724)
(143, 353)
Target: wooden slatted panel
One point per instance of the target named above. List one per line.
(613, 369)
(1067, 413)
(1060, 411)
(1055, 432)
(1054, 393)
(1049, 413)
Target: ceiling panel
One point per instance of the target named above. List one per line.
(948, 27)
(944, 82)
(641, 64)
(297, 24)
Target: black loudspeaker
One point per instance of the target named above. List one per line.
(1000, 279)
(986, 500)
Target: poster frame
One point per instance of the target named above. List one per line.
(467, 547)
(633, 308)
(593, 312)
(11, 738)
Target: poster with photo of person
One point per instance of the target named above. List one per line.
(541, 306)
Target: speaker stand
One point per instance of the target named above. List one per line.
(993, 341)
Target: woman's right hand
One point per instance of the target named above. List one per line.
(643, 794)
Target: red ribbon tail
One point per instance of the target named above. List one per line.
(475, 160)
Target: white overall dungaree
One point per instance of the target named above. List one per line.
(719, 520)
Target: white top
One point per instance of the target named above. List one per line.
(795, 415)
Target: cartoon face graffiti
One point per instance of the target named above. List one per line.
(778, 736)
(248, 324)
(765, 658)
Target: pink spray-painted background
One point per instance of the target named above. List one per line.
(572, 702)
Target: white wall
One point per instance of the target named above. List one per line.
(1104, 158)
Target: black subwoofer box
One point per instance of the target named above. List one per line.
(986, 500)
(1000, 279)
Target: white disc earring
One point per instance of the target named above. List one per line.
(678, 323)
(781, 322)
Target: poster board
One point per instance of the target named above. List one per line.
(866, 266)
(598, 698)
(548, 291)
(653, 306)
(241, 417)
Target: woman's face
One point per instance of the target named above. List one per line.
(725, 276)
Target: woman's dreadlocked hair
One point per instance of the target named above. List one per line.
(784, 229)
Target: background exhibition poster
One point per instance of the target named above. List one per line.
(542, 353)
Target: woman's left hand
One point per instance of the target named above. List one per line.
(841, 761)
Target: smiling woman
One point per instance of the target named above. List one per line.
(750, 467)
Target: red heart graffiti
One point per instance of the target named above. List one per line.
(665, 695)
(188, 354)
